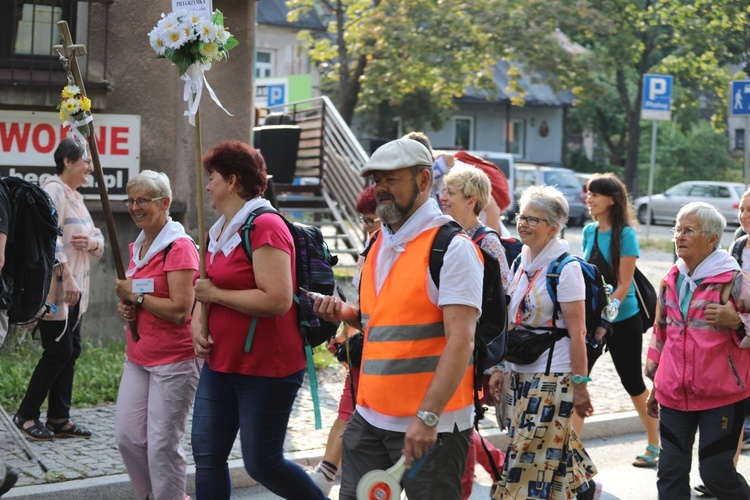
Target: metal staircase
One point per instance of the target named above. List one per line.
(326, 180)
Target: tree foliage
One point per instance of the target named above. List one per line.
(693, 40)
(414, 56)
(411, 58)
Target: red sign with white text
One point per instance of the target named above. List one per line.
(28, 140)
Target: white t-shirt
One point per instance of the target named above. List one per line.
(460, 284)
(538, 307)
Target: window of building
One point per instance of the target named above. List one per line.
(463, 128)
(28, 29)
(514, 136)
(263, 64)
(739, 139)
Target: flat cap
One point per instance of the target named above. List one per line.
(401, 153)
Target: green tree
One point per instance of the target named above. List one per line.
(406, 59)
(692, 40)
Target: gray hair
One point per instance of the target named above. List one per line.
(712, 222)
(548, 200)
(745, 194)
(156, 184)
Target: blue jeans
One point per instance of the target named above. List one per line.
(259, 407)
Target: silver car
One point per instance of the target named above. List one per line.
(563, 179)
(725, 196)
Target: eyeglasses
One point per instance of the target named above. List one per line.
(368, 222)
(689, 232)
(529, 220)
(141, 202)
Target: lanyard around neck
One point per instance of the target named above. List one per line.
(525, 294)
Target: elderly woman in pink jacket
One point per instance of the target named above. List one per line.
(698, 360)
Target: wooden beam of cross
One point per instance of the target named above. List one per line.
(69, 52)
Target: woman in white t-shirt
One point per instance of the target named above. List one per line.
(545, 458)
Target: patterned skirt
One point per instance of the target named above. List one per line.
(545, 458)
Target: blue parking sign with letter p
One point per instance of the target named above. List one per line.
(276, 95)
(657, 97)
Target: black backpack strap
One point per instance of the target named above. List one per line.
(439, 246)
(738, 247)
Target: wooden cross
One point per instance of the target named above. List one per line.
(68, 53)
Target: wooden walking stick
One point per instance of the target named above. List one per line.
(201, 215)
(68, 53)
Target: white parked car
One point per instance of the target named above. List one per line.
(725, 196)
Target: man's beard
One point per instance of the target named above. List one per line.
(393, 213)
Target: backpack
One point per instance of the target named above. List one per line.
(491, 336)
(30, 248)
(512, 246)
(596, 298)
(738, 247)
(492, 326)
(314, 272)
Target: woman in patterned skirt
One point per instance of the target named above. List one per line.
(545, 458)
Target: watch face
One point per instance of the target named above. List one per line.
(431, 419)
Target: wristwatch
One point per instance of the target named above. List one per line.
(429, 418)
(579, 379)
(139, 300)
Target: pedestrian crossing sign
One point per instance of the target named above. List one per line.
(739, 98)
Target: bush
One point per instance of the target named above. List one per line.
(97, 378)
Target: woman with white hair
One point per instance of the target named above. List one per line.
(701, 371)
(545, 458)
(161, 370)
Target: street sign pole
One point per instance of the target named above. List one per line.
(654, 130)
(747, 152)
(656, 104)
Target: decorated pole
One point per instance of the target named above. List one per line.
(192, 40)
(201, 214)
(83, 129)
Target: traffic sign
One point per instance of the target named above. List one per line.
(657, 97)
(276, 95)
(739, 98)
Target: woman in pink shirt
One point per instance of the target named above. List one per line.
(161, 371)
(250, 380)
(61, 331)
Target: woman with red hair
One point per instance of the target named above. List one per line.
(248, 382)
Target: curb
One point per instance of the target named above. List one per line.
(117, 487)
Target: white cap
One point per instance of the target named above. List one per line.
(394, 155)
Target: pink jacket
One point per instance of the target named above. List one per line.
(700, 366)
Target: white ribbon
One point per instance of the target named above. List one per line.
(77, 136)
(194, 79)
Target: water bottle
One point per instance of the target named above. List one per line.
(611, 309)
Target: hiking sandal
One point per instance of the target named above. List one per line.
(36, 432)
(74, 431)
(647, 461)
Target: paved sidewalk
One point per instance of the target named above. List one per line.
(93, 468)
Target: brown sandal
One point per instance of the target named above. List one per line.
(37, 432)
(74, 431)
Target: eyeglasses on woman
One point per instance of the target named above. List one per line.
(141, 202)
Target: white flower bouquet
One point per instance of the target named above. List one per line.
(185, 38)
(74, 107)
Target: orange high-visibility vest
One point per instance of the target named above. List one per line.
(404, 335)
